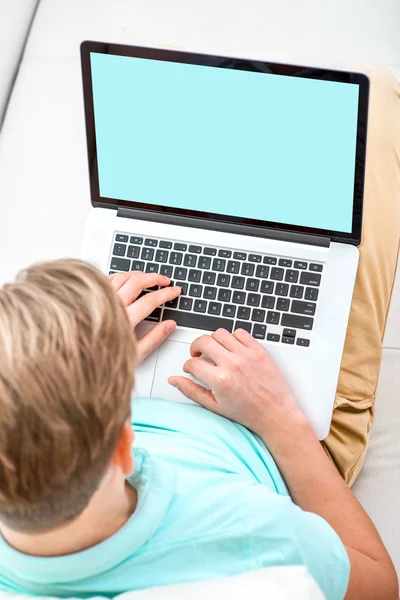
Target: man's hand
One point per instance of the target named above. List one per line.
(247, 386)
(129, 286)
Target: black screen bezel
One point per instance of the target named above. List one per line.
(360, 79)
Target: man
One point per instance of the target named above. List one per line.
(200, 496)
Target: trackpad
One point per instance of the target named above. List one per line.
(171, 358)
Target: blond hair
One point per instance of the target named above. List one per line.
(67, 356)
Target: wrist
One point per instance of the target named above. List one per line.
(284, 425)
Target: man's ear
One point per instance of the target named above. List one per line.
(122, 456)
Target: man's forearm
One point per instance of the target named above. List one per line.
(316, 486)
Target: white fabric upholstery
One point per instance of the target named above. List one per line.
(43, 212)
(279, 583)
(15, 18)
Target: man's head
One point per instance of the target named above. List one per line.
(67, 357)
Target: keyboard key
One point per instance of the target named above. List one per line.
(259, 331)
(252, 285)
(161, 256)
(119, 249)
(111, 272)
(233, 266)
(224, 253)
(190, 260)
(262, 271)
(297, 321)
(136, 240)
(229, 310)
(237, 283)
(184, 287)
(315, 267)
(175, 258)
(218, 264)
(121, 264)
(209, 277)
(195, 290)
(296, 291)
(180, 273)
(267, 287)
(277, 274)
(152, 268)
(243, 325)
(210, 251)
(198, 321)
(239, 256)
(150, 242)
(258, 314)
(253, 299)
(247, 269)
(300, 264)
(243, 312)
(166, 270)
(254, 258)
(172, 303)
(282, 304)
(121, 237)
(147, 254)
(308, 278)
(289, 333)
(155, 315)
(273, 337)
(137, 265)
(291, 276)
(194, 275)
(311, 294)
(214, 308)
(180, 247)
(285, 262)
(200, 306)
(303, 342)
(195, 249)
(133, 252)
(204, 262)
(210, 293)
(269, 302)
(269, 260)
(281, 289)
(224, 295)
(287, 340)
(185, 303)
(223, 280)
(239, 297)
(164, 244)
(303, 308)
(273, 317)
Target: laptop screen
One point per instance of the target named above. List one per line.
(223, 141)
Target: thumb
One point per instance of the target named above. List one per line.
(154, 338)
(194, 392)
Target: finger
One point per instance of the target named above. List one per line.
(208, 346)
(111, 276)
(137, 282)
(141, 309)
(246, 339)
(194, 392)
(118, 280)
(154, 338)
(201, 369)
(228, 341)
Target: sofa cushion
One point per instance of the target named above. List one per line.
(15, 20)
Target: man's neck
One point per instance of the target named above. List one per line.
(107, 512)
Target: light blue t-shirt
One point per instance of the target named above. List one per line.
(211, 502)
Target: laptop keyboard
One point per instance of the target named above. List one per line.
(274, 298)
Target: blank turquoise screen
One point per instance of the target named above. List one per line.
(231, 142)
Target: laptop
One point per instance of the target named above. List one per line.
(242, 181)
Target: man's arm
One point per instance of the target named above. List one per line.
(247, 387)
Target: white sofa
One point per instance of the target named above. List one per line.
(44, 191)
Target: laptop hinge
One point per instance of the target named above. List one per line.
(237, 228)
